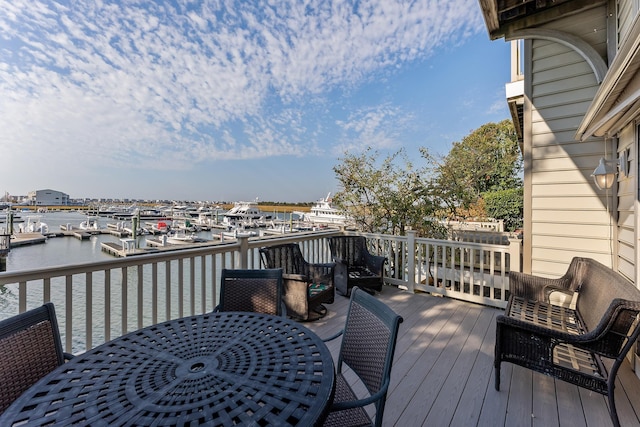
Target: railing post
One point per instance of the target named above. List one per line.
(244, 251)
(411, 260)
(515, 251)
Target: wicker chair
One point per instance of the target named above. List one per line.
(307, 286)
(355, 266)
(258, 291)
(367, 348)
(30, 348)
(577, 328)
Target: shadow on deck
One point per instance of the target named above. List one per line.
(443, 372)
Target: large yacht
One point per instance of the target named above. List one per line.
(323, 212)
(247, 214)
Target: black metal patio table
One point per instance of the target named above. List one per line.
(224, 368)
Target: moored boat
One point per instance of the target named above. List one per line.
(323, 212)
(34, 225)
(246, 214)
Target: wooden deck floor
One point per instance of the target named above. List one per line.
(443, 372)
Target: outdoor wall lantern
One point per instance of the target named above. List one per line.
(605, 174)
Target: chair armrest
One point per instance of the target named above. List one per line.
(340, 406)
(67, 356)
(375, 262)
(296, 277)
(535, 288)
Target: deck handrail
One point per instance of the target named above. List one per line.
(98, 301)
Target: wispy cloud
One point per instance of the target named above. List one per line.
(137, 81)
(375, 127)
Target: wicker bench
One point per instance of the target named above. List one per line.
(565, 327)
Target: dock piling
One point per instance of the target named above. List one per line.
(5, 247)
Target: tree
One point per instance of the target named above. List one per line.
(486, 160)
(506, 205)
(385, 196)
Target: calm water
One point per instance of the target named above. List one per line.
(67, 250)
(57, 251)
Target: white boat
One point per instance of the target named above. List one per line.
(160, 227)
(186, 224)
(180, 237)
(323, 212)
(34, 225)
(237, 232)
(208, 218)
(91, 223)
(246, 214)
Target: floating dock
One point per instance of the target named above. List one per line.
(128, 248)
(22, 239)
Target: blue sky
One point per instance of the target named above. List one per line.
(233, 100)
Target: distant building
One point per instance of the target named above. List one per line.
(48, 198)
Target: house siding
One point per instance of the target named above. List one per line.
(568, 214)
(626, 195)
(627, 11)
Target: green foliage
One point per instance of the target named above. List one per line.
(488, 159)
(506, 205)
(384, 195)
(389, 195)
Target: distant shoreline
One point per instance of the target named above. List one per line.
(226, 206)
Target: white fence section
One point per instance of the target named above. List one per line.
(475, 272)
(96, 302)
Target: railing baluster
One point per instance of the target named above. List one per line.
(107, 305)
(140, 285)
(180, 288)
(167, 287)
(203, 284)
(154, 293)
(192, 284)
(22, 296)
(124, 294)
(47, 289)
(89, 310)
(69, 311)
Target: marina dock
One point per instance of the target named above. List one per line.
(128, 248)
(22, 239)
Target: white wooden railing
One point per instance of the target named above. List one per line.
(98, 301)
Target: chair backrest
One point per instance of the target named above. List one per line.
(288, 257)
(351, 249)
(258, 291)
(30, 348)
(369, 342)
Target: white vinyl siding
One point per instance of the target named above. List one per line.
(568, 214)
(627, 13)
(626, 232)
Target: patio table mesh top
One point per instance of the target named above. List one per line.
(217, 369)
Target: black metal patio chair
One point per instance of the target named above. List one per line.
(30, 348)
(368, 344)
(355, 266)
(258, 291)
(307, 286)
